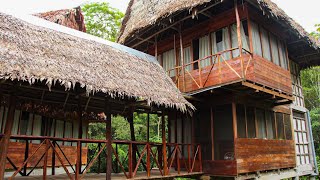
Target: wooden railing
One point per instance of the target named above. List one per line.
(149, 157)
(184, 70)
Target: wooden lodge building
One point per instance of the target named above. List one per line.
(238, 62)
(55, 80)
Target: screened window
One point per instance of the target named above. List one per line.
(261, 122)
(244, 37)
(169, 62)
(204, 50)
(265, 44)
(266, 123)
(270, 125)
(241, 121)
(256, 41)
(283, 55)
(251, 122)
(280, 125)
(274, 50)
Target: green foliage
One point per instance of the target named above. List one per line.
(102, 20)
(311, 87)
(316, 33)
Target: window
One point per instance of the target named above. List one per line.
(25, 124)
(301, 138)
(204, 50)
(256, 41)
(187, 57)
(241, 121)
(265, 44)
(221, 42)
(270, 125)
(244, 37)
(280, 125)
(274, 50)
(251, 122)
(3, 118)
(169, 62)
(283, 55)
(296, 84)
(261, 122)
(287, 127)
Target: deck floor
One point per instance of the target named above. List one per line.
(92, 176)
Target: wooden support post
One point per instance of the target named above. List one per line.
(148, 127)
(26, 154)
(45, 161)
(109, 139)
(79, 134)
(53, 160)
(164, 145)
(4, 143)
(239, 35)
(148, 159)
(212, 133)
(99, 158)
(78, 163)
(133, 138)
(130, 165)
(235, 130)
(182, 60)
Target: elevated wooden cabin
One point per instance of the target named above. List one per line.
(55, 80)
(238, 62)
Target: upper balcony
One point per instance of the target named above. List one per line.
(248, 70)
(231, 49)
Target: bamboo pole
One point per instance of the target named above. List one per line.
(182, 60)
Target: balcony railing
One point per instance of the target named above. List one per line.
(201, 79)
(149, 157)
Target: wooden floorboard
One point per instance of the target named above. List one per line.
(91, 176)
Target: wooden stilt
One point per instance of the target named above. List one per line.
(80, 133)
(109, 139)
(164, 145)
(133, 138)
(4, 143)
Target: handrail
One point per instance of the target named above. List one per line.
(50, 144)
(214, 60)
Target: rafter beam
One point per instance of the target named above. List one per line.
(174, 24)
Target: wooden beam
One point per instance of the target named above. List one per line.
(172, 25)
(212, 132)
(4, 143)
(164, 145)
(269, 91)
(109, 139)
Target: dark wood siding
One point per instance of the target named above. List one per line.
(260, 154)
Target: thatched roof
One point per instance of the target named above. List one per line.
(32, 49)
(72, 18)
(142, 14)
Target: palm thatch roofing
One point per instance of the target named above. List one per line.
(34, 50)
(72, 18)
(144, 14)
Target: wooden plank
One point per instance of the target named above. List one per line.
(261, 154)
(220, 168)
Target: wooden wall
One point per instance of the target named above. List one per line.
(270, 75)
(16, 154)
(220, 168)
(260, 154)
(220, 74)
(259, 70)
